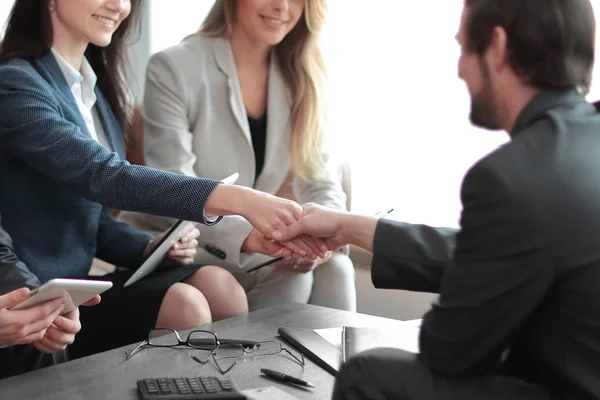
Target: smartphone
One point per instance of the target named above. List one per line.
(74, 291)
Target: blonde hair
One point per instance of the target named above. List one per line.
(301, 64)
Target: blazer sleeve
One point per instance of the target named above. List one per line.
(411, 257)
(168, 146)
(33, 129)
(324, 189)
(14, 274)
(119, 243)
(500, 272)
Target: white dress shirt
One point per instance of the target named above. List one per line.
(82, 86)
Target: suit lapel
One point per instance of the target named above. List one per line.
(224, 58)
(49, 67)
(110, 123)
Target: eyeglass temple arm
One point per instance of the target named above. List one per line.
(138, 347)
(299, 360)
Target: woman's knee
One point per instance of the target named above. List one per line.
(183, 307)
(223, 292)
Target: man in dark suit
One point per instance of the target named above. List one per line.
(36, 337)
(518, 315)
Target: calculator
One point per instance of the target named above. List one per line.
(189, 388)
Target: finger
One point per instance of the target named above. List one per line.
(93, 301)
(43, 324)
(69, 325)
(286, 253)
(58, 338)
(193, 234)
(39, 312)
(32, 337)
(310, 242)
(295, 248)
(47, 345)
(297, 211)
(191, 244)
(13, 298)
(41, 346)
(186, 253)
(274, 247)
(285, 234)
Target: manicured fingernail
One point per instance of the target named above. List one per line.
(324, 249)
(302, 253)
(276, 234)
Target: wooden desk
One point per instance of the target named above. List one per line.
(109, 375)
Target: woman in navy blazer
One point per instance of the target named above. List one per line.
(58, 182)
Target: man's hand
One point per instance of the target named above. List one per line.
(182, 252)
(301, 265)
(319, 222)
(60, 334)
(25, 326)
(256, 242)
(63, 330)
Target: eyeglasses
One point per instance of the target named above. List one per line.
(232, 351)
(197, 339)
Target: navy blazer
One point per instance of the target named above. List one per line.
(57, 184)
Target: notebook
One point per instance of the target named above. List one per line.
(358, 339)
(314, 347)
(327, 347)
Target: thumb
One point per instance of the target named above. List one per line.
(287, 233)
(13, 298)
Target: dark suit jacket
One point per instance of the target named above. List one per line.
(57, 184)
(519, 283)
(14, 275)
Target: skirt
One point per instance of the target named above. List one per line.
(126, 314)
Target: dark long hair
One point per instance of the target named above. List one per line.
(29, 36)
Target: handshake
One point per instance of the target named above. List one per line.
(303, 232)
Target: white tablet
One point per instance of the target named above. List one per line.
(74, 291)
(159, 251)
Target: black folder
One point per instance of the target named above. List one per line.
(314, 347)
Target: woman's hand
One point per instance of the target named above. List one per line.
(256, 242)
(182, 252)
(266, 213)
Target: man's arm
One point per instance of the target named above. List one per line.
(13, 273)
(410, 257)
(500, 272)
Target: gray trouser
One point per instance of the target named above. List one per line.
(395, 374)
(331, 284)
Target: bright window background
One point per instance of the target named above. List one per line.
(399, 112)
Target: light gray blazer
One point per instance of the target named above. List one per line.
(196, 125)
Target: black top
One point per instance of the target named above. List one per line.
(523, 272)
(258, 131)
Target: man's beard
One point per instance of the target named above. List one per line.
(484, 112)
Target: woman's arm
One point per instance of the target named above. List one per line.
(33, 129)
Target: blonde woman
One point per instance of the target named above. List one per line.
(245, 94)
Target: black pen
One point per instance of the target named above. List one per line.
(285, 378)
(259, 266)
